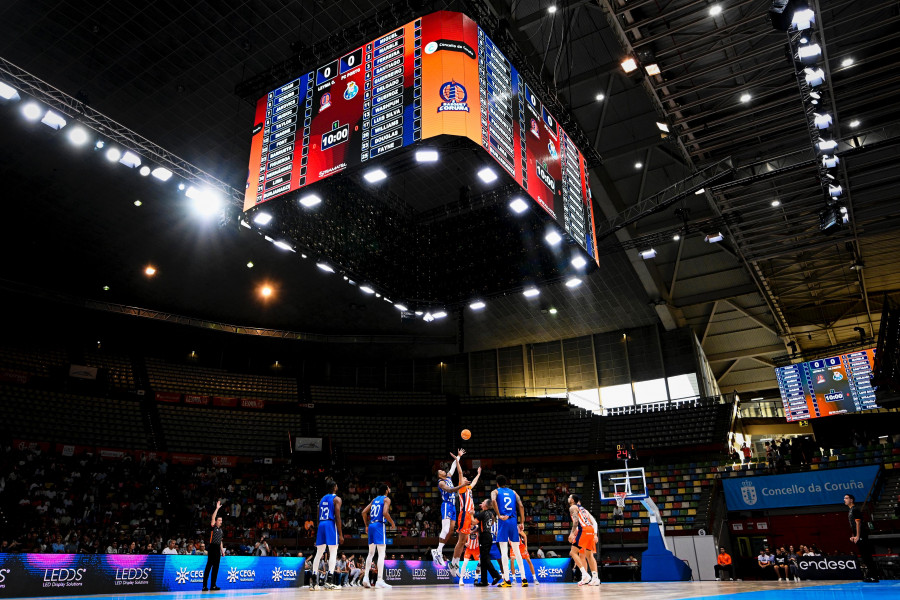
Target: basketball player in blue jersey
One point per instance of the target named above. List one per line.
(374, 516)
(511, 514)
(329, 533)
(448, 507)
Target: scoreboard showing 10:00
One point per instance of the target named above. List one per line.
(438, 75)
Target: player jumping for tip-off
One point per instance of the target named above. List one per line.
(448, 508)
(464, 518)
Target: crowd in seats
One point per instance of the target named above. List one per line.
(230, 432)
(545, 499)
(168, 377)
(682, 426)
(354, 395)
(414, 432)
(119, 372)
(33, 361)
(563, 432)
(56, 417)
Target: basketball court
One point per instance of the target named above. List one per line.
(744, 590)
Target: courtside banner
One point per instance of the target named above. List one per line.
(28, 575)
(420, 572)
(812, 488)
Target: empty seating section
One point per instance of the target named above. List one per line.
(399, 433)
(35, 361)
(42, 416)
(467, 400)
(119, 372)
(686, 426)
(227, 432)
(167, 377)
(543, 433)
(545, 497)
(354, 395)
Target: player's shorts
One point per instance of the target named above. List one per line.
(508, 530)
(377, 534)
(464, 523)
(473, 553)
(326, 533)
(584, 540)
(448, 511)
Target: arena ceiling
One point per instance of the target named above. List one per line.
(168, 71)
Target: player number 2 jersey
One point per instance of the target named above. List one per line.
(506, 502)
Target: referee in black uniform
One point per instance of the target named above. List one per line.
(486, 518)
(859, 535)
(215, 548)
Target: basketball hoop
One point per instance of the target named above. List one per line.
(619, 510)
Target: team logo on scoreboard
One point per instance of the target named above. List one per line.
(820, 378)
(552, 149)
(454, 98)
(351, 91)
(534, 129)
(325, 102)
(837, 376)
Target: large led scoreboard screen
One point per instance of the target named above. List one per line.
(437, 75)
(828, 386)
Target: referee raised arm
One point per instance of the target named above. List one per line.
(216, 549)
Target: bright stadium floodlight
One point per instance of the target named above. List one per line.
(814, 77)
(531, 292)
(715, 10)
(600, 97)
(676, 237)
(847, 62)
(648, 254)
(130, 159)
(745, 97)
(53, 120)
(284, 246)
(551, 9)
(830, 162)
(809, 51)
(553, 238)
(427, 155)
(822, 121)
(205, 201)
(32, 111)
(375, 175)
(366, 289)
(262, 218)
(714, 238)
(439, 314)
(854, 123)
(652, 69)
(518, 206)
(803, 19)
(700, 192)
(573, 282)
(113, 155)
(162, 173)
(662, 127)
(629, 65)
(826, 145)
(487, 175)
(78, 136)
(144, 171)
(477, 305)
(325, 267)
(402, 307)
(835, 190)
(776, 203)
(310, 200)
(8, 92)
(579, 262)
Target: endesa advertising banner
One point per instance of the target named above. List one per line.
(813, 488)
(438, 75)
(419, 572)
(28, 575)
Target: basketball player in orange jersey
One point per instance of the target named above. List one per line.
(584, 539)
(523, 550)
(464, 516)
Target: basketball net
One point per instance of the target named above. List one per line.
(619, 510)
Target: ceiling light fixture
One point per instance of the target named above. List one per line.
(325, 267)
(426, 155)
(809, 51)
(162, 173)
(284, 246)
(714, 238)
(553, 238)
(676, 237)
(629, 65)
(144, 171)
(776, 202)
(113, 155)
(551, 9)
(266, 291)
(648, 254)
(262, 218)
(531, 292)
(32, 111)
(402, 307)
(366, 289)
(573, 282)
(375, 175)
(638, 165)
(130, 159)
(250, 264)
(803, 19)
(310, 200)
(579, 262)
(652, 69)
(552, 311)
(826, 145)
(53, 120)
(847, 62)
(715, 10)
(600, 97)
(150, 271)
(518, 206)
(8, 92)
(745, 97)
(822, 121)
(854, 123)
(477, 305)
(138, 203)
(699, 192)
(439, 314)
(815, 76)
(78, 136)
(487, 175)
(662, 127)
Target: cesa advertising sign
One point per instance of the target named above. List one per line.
(23, 575)
(417, 572)
(813, 488)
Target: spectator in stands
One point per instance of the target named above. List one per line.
(552, 554)
(765, 562)
(723, 563)
(261, 548)
(746, 453)
(780, 564)
(793, 566)
(770, 456)
(170, 548)
(540, 552)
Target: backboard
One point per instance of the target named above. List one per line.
(616, 481)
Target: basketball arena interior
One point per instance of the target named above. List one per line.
(311, 267)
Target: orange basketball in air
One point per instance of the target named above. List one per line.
(465, 434)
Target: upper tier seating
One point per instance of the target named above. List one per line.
(167, 377)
